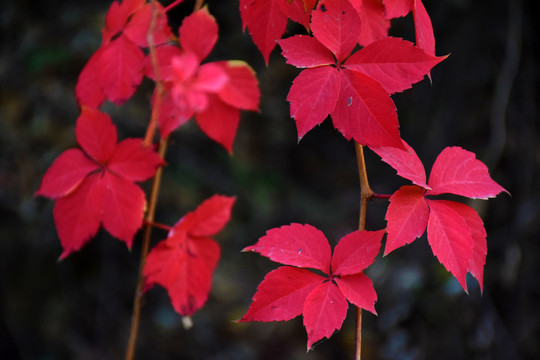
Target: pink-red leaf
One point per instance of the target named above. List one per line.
(374, 25)
(66, 173)
(407, 217)
(365, 111)
(313, 97)
(450, 238)
(96, 134)
(219, 122)
(305, 51)
(121, 63)
(423, 28)
(265, 21)
(356, 251)
(209, 218)
(282, 294)
(198, 33)
(139, 25)
(324, 311)
(336, 25)
(78, 215)
(395, 63)
(123, 207)
(296, 245)
(405, 162)
(242, 88)
(87, 89)
(457, 171)
(358, 289)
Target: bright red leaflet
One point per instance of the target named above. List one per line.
(456, 233)
(212, 92)
(266, 20)
(374, 25)
(292, 290)
(95, 185)
(184, 262)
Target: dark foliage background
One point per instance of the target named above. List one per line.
(484, 97)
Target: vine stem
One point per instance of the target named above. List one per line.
(150, 214)
(365, 195)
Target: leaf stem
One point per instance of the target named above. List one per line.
(365, 195)
(149, 218)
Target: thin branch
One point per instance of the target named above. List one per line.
(365, 195)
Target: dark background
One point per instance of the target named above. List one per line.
(484, 97)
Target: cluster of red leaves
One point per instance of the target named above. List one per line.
(95, 185)
(354, 88)
(184, 262)
(213, 92)
(292, 290)
(455, 231)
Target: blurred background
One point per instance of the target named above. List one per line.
(484, 98)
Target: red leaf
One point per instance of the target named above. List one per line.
(478, 233)
(184, 267)
(139, 25)
(209, 218)
(406, 163)
(395, 63)
(407, 217)
(296, 245)
(282, 294)
(324, 311)
(121, 63)
(450, 238)
(170, 118)
(219, 122)
(305, 51)
(374, 25)
(397, 8)
(134, 162)
(66, 174)
(117, 17)
(297, 11)
(77, 216)
(123, 207)
(313, 97)
(365, 112)
(358, 289)
(242, 89)
(96, 134)
(87, 89)
(457, 171)
(336, 25)
(356, 251)
(164, 56)
(423, 28)
(198, 33)
(265, 21)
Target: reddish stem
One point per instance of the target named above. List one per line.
(365, 195)
(157, 225)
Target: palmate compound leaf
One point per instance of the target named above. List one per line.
(96, 186)
(290, 291)
(456, 233)
(185, 261)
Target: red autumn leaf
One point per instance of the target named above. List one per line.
(282, 294)
(96, 186)
(305, 51)
(457, 171)
(265, 21)
(288, 292)
(336, 25)
(198, 33)
(117, 17)
(242, 89)
(184, 262)
(296, 245)
(455, 231)
(406, 163)
(121, 65)
(407, 217)
(298, 11)
(395, 63)
(87, 90)
(324, 311)
(139, 25)
(373, 24)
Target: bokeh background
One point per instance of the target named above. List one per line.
(484, 97)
